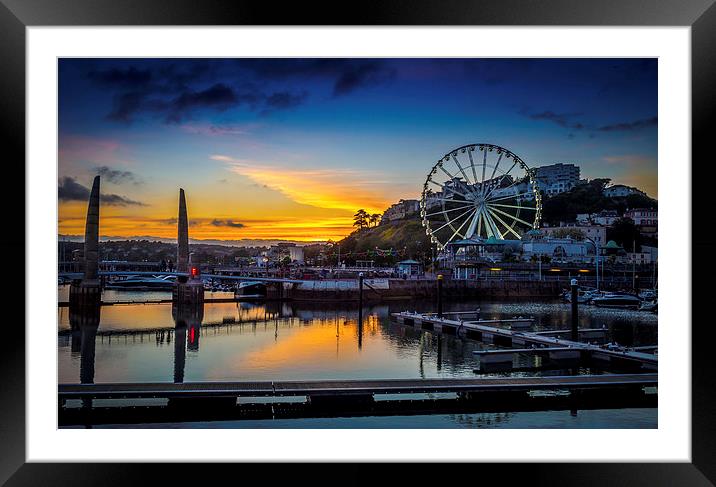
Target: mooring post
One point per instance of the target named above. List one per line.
(360, 310)
(440, 295)
(360, 290)
(575, 310)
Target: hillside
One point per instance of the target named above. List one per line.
(588, 198)
(405, 237)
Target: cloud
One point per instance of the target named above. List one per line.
(565, 120)
(226, 223)
(177, 91)
(346, 75)
(214, 129)
(345, 189)
(116, 176)
(125, 105)
(219, 96)
(70, 190)
(361, 76)
(628, 126)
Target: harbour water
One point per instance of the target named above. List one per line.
(314, 341)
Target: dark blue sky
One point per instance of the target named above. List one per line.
(377, 123)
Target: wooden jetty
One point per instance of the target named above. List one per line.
(348, 387)
(483, 331)
(85, 404)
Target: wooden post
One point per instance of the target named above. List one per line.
(575, 310)
(360, 310)
(440, 295)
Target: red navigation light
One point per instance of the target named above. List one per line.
(194, 271)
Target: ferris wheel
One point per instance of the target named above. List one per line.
(479, 191)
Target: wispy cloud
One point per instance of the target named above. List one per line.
(629, 126)
(345, 189)
(571, 120)
(226, 223)
(566, 120)
(117, 176)
(217, 129)
(70, 190)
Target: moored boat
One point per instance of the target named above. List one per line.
(251, 289)
(143, 283)
(617, 300)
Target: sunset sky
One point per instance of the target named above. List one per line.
(291, 148)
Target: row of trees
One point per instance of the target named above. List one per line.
(362, 219)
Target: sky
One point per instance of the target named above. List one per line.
(289, 149)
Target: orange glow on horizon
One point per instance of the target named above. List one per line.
(257, 202)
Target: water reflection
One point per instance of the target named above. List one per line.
(84, 323)
(292, 341)
(187, 326)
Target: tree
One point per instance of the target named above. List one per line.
(360, 219)
(625, 233)
(375, 219)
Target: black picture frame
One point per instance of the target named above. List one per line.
(700, 15)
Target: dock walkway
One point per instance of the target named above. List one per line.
(482, 331)
(349, 387)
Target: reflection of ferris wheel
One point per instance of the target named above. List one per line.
(479, 191)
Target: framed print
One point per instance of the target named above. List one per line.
(427, 233)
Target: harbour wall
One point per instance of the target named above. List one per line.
(386, 289)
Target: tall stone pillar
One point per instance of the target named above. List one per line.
(87, 293)
(92, 234)
(188, 292)
(183, 235)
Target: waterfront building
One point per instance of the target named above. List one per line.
(583, 218)
(409, 268)
(400, 210)
(613, 251)
(597, 233)
(467, 256)
(286, 249)
(620, 191)
(559, 249)
(643, 217)
(295, 253)
(638, 258)
(654, 251)
(605, 217)
(557, 178)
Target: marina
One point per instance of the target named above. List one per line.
(301, 290)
